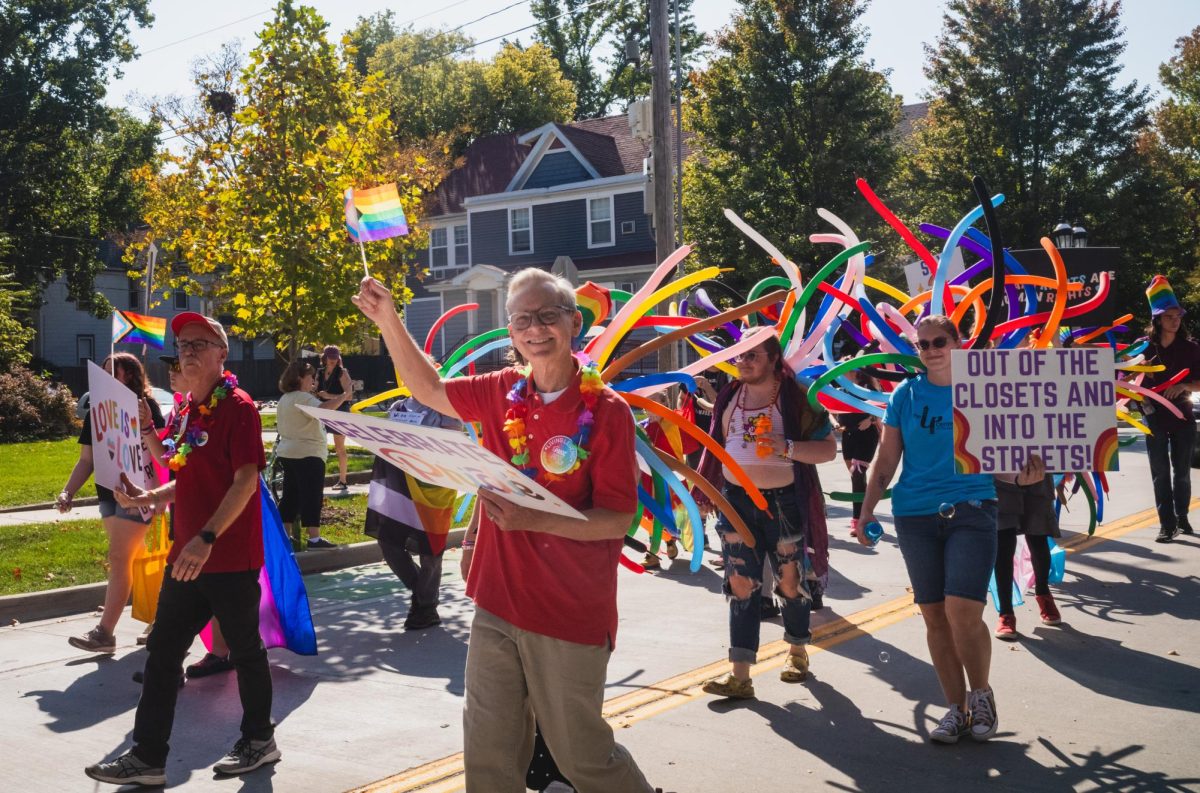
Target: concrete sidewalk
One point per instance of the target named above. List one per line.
(1109, 701)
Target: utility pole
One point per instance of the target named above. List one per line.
(660, 96)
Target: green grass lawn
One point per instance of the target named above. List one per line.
(268, 421)
(43, 556)
(35, 472)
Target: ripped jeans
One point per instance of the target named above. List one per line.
(780, 541)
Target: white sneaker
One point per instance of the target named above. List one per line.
(953, 725)
(981, 704)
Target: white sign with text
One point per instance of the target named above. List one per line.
(1056, 403)
(446, 458)
(117, 446)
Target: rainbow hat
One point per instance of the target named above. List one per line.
(1161, 296)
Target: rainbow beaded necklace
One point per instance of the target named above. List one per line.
(184, 434)
(590, 386)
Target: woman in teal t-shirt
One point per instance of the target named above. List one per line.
(946, 527)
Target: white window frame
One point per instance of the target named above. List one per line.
(612, 230)
(445, 246)
(512, 211)
(454, 245)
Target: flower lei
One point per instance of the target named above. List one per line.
(760, 426)
(590, 386)
(184, 434)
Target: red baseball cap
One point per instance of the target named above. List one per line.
(180, 321)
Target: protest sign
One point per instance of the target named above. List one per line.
(117, 446)
(1056, 403)
(1084, 266)
(442, 457)
(920, 279)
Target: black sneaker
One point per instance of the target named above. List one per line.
(320, 542)
(127, 769)
(210, 664)
(341, 486)
(1185, 527)
(247, 755)
(1166, 535)
(420, 619)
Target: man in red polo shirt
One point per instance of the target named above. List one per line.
(544, 585)
(213, 567)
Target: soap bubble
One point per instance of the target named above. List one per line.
(884, 658)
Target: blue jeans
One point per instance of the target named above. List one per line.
(1170, 453)
(779, 540)
(952, 553)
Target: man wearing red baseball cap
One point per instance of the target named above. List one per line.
(214, 446)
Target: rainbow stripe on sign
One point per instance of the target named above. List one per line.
(130, 328)
(375, 214)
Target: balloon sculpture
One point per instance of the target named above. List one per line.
(877, 317)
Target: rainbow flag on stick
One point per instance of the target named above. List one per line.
(375, 214)
(130, 328)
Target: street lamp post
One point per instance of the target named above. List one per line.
(1063, 235)
(1079, 236)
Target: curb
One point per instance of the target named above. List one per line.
(84, 598)
(352, 477)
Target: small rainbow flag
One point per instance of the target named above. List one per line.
(375, 214)
(130, 328)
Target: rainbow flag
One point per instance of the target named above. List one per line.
(130, 328)
(375, 214)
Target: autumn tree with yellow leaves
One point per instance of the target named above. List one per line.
(248, 211)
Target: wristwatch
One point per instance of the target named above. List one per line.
(209, 537)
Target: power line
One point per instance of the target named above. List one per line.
(205, 32)
(435, 11)
(486, 16)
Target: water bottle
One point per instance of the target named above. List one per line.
(873, 531)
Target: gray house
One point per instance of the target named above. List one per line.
(68, 336)
(564, 197)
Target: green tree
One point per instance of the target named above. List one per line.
(1025, 95)
(521, 89)
(65, 158)
(438, 96)
(431, 89)
(255, 217)
(576, 30)
(785, 117)
(1172, 148)
(368, 35)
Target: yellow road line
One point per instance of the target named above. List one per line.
(446, 774)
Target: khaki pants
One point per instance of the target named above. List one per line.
(514, 674)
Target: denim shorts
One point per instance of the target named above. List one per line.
(952, 555)
(110, 509)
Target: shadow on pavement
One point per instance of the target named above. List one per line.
(96, 696)
(1107, 667)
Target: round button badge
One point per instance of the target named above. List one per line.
(559, 455)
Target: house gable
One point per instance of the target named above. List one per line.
(565, 165)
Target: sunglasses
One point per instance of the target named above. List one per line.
(547, 316)
(749, 357)
(937, 343)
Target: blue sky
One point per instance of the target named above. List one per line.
(184, 31)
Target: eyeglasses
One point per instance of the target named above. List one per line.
(938, 343)
(547, 315)
(749, 357)
(199, 345)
